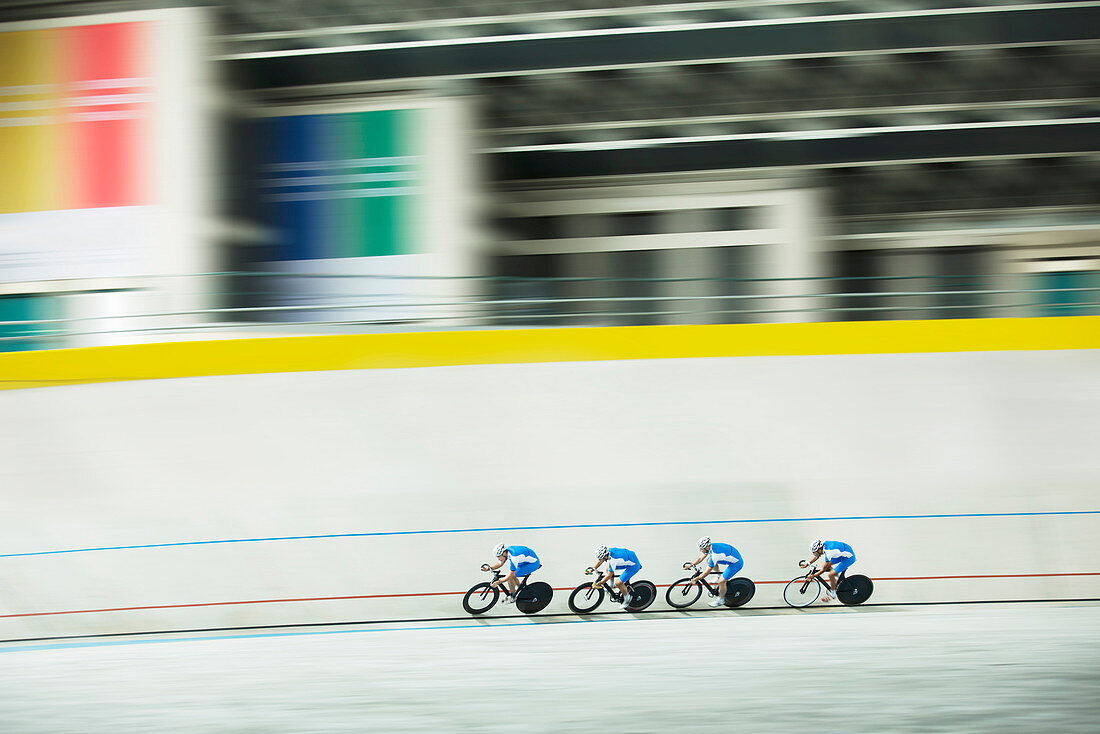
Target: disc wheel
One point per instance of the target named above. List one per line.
(853, 590)
(739, 591)
(801, 593)
(534, 597)
(584, 599)
(644, 593)
(480, 598)
(683, 593)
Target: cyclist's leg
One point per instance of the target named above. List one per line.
(625, 577)
(718, 594)
(830, 579)
(509, 581)
(521, 573)
(728, 573)
(718, 585)
(838, 569)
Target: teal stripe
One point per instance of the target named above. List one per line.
(314, 633)
(405, 143)
(35, 307)
(379, 211)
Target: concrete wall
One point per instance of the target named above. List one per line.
(598, 443)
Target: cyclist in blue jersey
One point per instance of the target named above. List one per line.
(838, 558)
(722, 558)
(523, 562)
(620, 561)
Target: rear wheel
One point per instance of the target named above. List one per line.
(585, 599)
(480, 598)
(802, 593)
(683, 593)
(739, 591)
(643, 593)
(534, 597)
(853, 590)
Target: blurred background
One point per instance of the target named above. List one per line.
(176, 170)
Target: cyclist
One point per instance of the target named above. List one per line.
(620, 561)
(523, 561)
(723, 558)
(838, 558)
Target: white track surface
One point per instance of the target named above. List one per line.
(960, 668)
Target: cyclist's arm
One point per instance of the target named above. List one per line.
(504, 579)
(809, 563)
(825, 568)
(498, 564)
(705, 571)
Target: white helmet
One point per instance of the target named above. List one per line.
(601, 552)
(704, 542)
(500, 550)
(815, 546)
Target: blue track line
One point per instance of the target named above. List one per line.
(547, 527)
(113, 643)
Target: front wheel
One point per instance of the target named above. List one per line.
(683, 593)
(642, 594)
(480, 598)
(802, 592)
(585, 599)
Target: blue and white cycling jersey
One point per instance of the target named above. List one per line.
(623, 562)
(839, 554)
(722, 554)
(725, 557)
(523, 559)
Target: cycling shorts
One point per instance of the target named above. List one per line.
(730, 569)
(628, 573)
(843, 565)
(525, 569)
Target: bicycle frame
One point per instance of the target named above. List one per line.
(609, 586)
(497, 575)
(712, 590)
(812, 574)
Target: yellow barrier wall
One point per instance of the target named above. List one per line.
(433, 349)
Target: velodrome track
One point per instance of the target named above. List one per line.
(768, 600)
(952, 668)
(339, 493)
(268, 551)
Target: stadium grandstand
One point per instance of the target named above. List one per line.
(583, 162)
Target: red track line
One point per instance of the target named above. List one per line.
(227, 603)
(987, 576)
(453, 593)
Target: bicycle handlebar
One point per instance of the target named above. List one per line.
(589, 571)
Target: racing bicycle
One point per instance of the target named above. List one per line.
(530, 598)
(804, 590)
(685, 592)
(585, 598)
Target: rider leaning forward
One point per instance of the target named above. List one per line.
(523, 561)
(838, 558)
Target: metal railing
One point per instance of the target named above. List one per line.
(254, 303)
